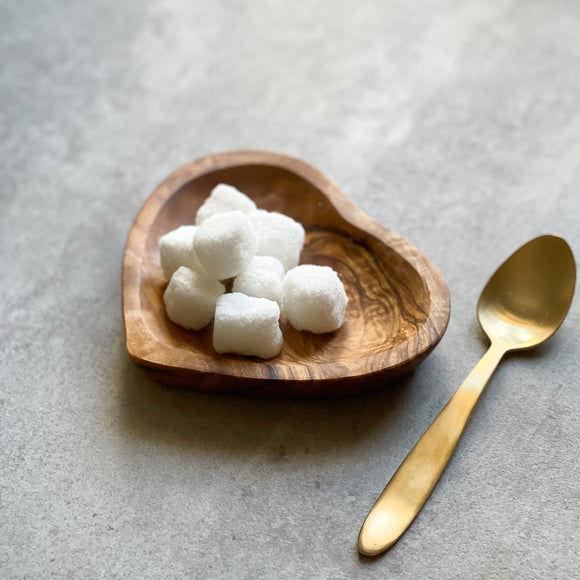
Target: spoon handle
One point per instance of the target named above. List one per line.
(413, 482)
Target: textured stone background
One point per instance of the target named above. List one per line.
(455, 124)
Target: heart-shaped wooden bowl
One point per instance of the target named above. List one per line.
(398, 304)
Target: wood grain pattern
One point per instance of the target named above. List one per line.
(398, 301)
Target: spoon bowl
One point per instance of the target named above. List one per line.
(527, 298)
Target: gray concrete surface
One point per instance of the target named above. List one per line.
(455, 124)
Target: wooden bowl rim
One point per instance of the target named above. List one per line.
(387, 361)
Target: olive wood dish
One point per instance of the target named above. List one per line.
(398, 304)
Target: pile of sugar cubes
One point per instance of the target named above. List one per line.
(261, 249)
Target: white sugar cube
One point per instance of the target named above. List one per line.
(279, 236)
(225, 243)
(262, 278)
(224, 198)
(176, 249)
(190, 298)
(247, 325)
(314, 298)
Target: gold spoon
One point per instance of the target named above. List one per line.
(522, 305)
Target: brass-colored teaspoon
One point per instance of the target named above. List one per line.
(522, 305)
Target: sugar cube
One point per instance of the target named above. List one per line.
(247, 325)
(261, 278)
(176, 249)
(224, 198)
(279, 236)
(225, 243)
(314, 298)
(190, 298)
